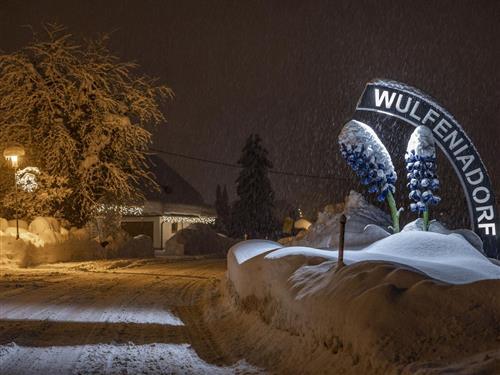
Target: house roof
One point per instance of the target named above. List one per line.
(174, 189)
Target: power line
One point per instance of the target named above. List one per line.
(272, 171)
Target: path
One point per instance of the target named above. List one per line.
(120, 317)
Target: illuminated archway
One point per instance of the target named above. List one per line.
(413, 107)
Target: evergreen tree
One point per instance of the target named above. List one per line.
(253, 211)
(223, 210)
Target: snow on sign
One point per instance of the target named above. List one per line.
(390, 99)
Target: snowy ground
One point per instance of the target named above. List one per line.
(112, 317)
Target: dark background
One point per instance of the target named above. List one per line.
(291, 71)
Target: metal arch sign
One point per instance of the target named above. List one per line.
(394, 99)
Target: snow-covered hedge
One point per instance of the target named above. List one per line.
(371, 316)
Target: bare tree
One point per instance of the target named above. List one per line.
(81, 114)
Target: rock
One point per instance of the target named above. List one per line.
(325, 232)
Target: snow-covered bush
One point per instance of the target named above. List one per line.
(45, 200)
(365, 153)
(423, 182)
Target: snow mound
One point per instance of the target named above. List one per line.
(245, 250)
(436, 227)
(449, 258)
(4, 224)
(198, 239)
(411, 298)
(324, 233)
(46, 241)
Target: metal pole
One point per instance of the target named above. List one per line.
(340, 261)
(17, 203)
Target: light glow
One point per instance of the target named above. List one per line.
(188, 219)
(26, 179)
(123, 210)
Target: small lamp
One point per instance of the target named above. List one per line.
(13, 153)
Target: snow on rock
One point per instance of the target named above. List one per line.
(394, 304)
(436, 227)
(324, 233)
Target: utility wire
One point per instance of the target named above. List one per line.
(271, 171)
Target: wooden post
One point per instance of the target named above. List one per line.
(340, 261)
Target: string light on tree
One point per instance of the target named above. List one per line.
(26, 179)
(189, 219)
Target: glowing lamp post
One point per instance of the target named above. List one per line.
(12, 154)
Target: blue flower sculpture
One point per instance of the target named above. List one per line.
(374, 174)
(367, 156)
(421, 168)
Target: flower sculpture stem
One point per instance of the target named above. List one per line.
(426, 219)
(394, 212)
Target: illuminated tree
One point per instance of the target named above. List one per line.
(45, 199)
(81, 114)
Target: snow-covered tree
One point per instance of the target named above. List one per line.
(44, 199)
(253, 211)
(365, 153)
(81, 114)
(422, 177)
(222, 223)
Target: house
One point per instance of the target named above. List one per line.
(174, 207)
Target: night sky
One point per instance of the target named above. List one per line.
(289, 70)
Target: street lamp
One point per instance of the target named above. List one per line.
(12, 154)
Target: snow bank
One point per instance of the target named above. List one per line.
(198, 239)
(324, 233)
(449, 258)
(44, 240)
(400, 305)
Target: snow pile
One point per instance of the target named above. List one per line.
(198, 239)
(411, 298)
(324, 233)
(45, 240)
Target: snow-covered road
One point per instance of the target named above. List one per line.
(119, 317)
